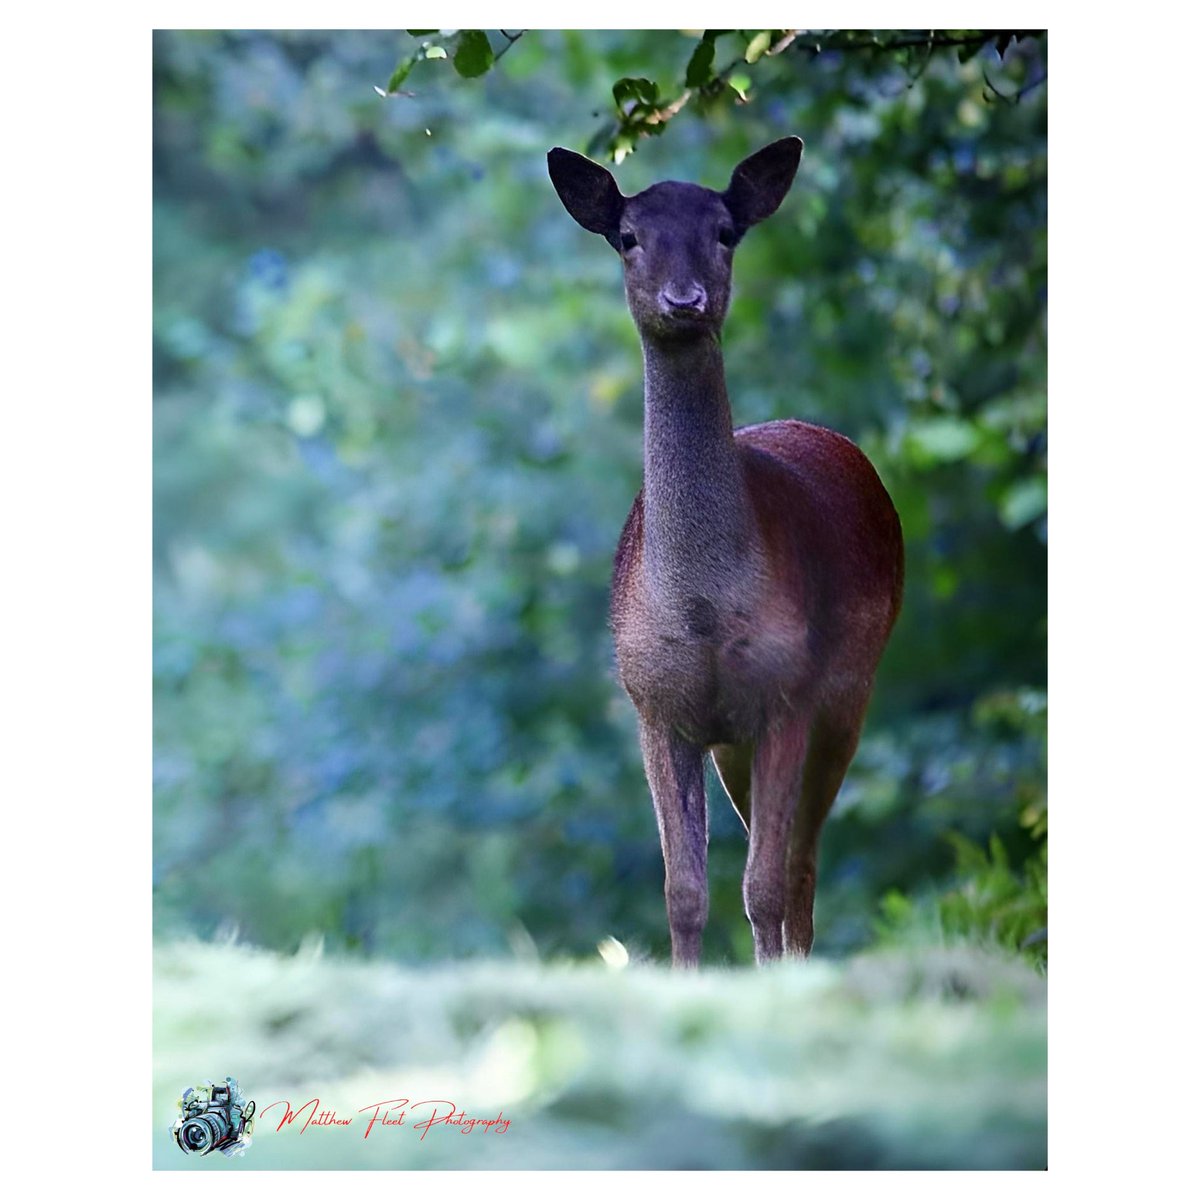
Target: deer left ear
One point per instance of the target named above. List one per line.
(760, 182)
(588, 192)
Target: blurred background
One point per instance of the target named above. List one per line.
(398, 427)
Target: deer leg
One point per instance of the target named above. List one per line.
(831, 748)
(801, 888)
(733, 765)
(776, 775)
(675, 771)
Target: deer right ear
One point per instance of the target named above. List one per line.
(760, 182)
(588, 192)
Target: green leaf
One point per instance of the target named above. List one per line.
(641, 91)
(621, 147)
(420, 32)
(474, 54)
(1025, 501)
(969, 858)
(699, 68)
(896, 907)
(398, 76)
(941, 440)
(740, 84)
(999, 854)
(760, 43)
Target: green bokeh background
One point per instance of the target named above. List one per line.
(398, 427)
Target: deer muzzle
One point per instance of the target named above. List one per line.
(683, 301)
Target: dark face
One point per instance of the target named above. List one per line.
(676, 240)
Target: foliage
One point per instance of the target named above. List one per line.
(990, 901)
(642, 110)
(398, 426)
(473, 56)
(990, 904)
(934, 1060)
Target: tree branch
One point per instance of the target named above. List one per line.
(841, 40)
(511, 39)
(635, 122)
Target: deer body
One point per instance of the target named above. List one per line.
(758, 575)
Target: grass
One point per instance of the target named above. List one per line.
(930, 1058)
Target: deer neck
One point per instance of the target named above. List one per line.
(698, 529)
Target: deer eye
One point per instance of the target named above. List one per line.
(628, 241)
(726, 236)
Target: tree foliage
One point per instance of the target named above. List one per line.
(641, 109)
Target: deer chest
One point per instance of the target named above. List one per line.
(714, 671)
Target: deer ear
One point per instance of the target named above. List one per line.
(588, 192)
(760, 182)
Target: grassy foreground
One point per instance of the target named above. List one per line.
(909, 1059)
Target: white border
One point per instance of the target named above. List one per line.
(1123, 603)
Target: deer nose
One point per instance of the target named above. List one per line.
(689, 298)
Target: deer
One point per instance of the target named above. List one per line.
(759, 573)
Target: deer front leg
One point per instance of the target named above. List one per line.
(775, 786)
(675, 772)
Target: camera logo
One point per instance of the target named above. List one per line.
(214, 1116)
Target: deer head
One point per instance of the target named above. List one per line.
(676, 240)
